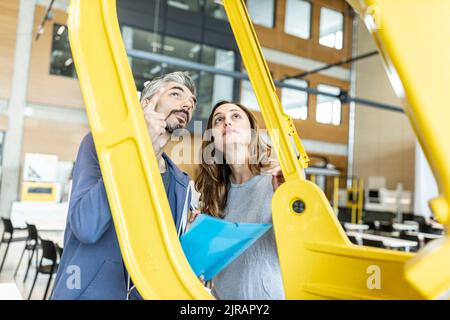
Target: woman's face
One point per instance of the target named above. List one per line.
(230, 126)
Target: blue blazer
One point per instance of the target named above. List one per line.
(91, 266)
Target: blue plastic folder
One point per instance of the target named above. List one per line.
(211, 243)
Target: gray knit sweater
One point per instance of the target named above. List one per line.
(255, 274)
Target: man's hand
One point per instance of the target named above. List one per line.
(156, 125)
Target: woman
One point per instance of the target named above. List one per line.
(233, 187)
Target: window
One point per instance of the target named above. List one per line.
(211, 8)
(213, 87)
(294, 101)
(248, 97)
(262, 12)
(188, 5)
(61, 62)
(144, 70)
(298, 18)
(328, 109)
(215, 10)
(210, 87)
(141, 40)
(331, 28)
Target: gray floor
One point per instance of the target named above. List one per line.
(7, 274)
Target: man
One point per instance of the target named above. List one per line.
(91, 266)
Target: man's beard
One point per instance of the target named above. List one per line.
(171, 128)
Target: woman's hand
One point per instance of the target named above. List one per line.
(277, 177)
(194, 215)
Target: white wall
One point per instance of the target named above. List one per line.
(425, 184)
(384, 140)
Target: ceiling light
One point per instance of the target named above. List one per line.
(61, 29)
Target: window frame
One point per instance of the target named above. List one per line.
(308, 109)
(343, 28)
(311, 24)
(340, 105)
(274, 16)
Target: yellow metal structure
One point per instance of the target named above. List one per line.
(336, 194)
(325, 263)
(39, 191)
(148, 241)
(360, 200)
(409, 35)
(352, 200)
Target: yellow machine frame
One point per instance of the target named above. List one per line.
(325, 263)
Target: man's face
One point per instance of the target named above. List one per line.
(177, 103)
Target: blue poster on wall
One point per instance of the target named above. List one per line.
(212, 243)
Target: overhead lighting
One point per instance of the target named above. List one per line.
(169, 48)
(68, 62)
(155, 69)
(177, 4)
(61, 29)
(195, 48)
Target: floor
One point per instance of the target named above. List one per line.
(7, 274)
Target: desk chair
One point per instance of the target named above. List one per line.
(31, 245)
(8, 237)
(48, 253)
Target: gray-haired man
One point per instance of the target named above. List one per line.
(91, 266)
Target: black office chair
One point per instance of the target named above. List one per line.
(374, 226)
(419, 219)
(31, 245)
(425, 228)
(59, 250)
(411, 237)
(8, 237)
(353, 240)
(423, 225)
(49, 253)
(386, 227)
(373, 243)
(436, 231)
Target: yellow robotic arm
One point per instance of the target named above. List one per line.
(317, 260)
(410, 36)
(141, 213)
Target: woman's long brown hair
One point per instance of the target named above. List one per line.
(214, 178)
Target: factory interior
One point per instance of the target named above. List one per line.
(329, 77)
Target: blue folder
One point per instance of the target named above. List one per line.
(212, 243)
